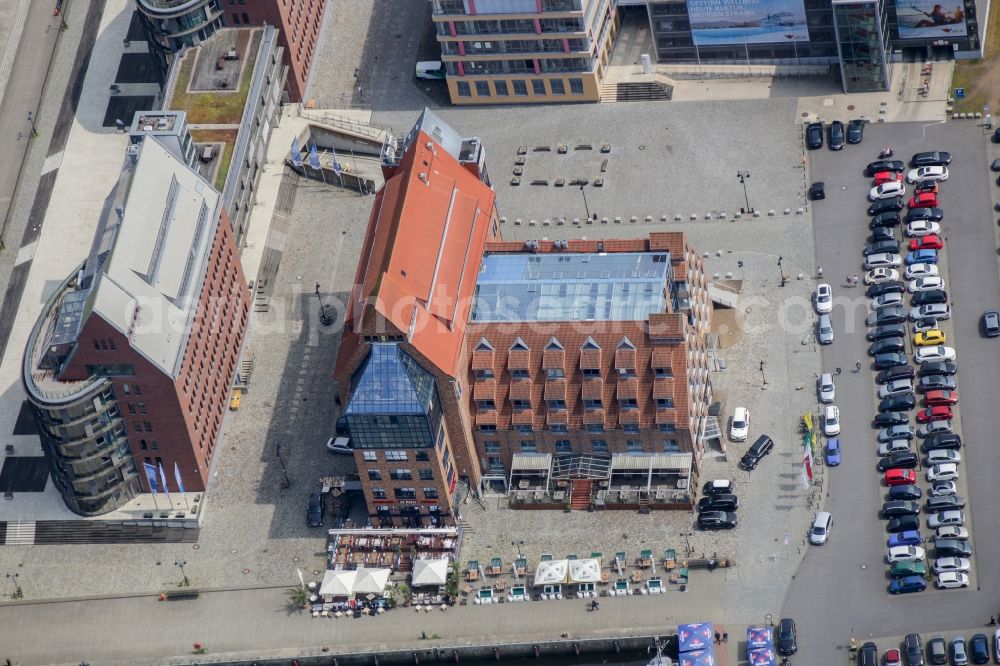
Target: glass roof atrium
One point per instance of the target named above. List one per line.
(621, 286)
(391, 382)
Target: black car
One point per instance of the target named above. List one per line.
(996, 139)
(883, 419)
(886, 346)
(929, 296)
(814, 136)
(937, 651)
(718, 487)
(855, 131)
(932, 382)
(946, 368)
(763, 446)
(887, 287)
(942, 440)
(881, 234)
(995, 165)
(989, 323)
(889, 218)
(913, 650)
(893, 314)
(929, 214)
(932, 158)
(903, 524)
(925, 186)
(884, 165)
(885, 205)
(868, 655)
(885, 361)
(895, 508)
(877, 247)
(897, 402)
(817, 191)
(887, 331)
(951, 548)
(905, 492)
(899, 372)
(341, 426)
(716, 520)
(316, 511)
(787, 644)
(723, 502)
(836, 135)
(979, 648)
(902, 460)
(944, 503)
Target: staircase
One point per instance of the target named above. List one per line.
(580, 495)
(712, 429)
(21, 533)
(644, 502)
(722, 294)
(649, 91)
(51, 532)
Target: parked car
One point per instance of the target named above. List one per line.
(926, 186)
(934, 173)
(946, 518)
(868, 655)
(883, 246)
(889, 190)
(937, 650)
(885, 205)
(884, 361)
(892, 374)
(717, 520)
(908, 493)
(913, 650)
(825, 388)
(886, 177)
(932, 382)
(817, 191)
(886, 300)
(720, 502)
(952, 548)
(884, 165)
(836, 135)
(945, 440)
(923, 200)
(888, 287)
(895, 387)
(718, 487)
(927, 242)
(897, 477)
(903, 523)
(316, 510)
(907, 585)
(938, 397)
(833, 452)
(881, 233)
(903, 460)
(883, 316)
(989, 324)
(819, 532)
(959, 654)
(943, 456)
(934, 354)
(905, 554)
(831, 421)
(855, 131)
(921, 257)
(936, 310)
(939, 488)
(760, 448)
(877, 275)
(951, 532)
(931, 158)
(340, 445)
(894, 508)
(740, 427)
(929, 214)
(947, 368)
(904, 569)
(814, 136)
(979, 646)
(883, 260)
(914, 271)
(939, 413)
(823, 298)
(908, 538)
(929, 296)
(943, 472)
(886, 345)
(923, 324)
(949, 581)
(934, 428)
(884, 220)
(941, 503)
(893, 446)
(922, 227)
(896, 402)
(824, 329)
(884, 419)
(926, 283)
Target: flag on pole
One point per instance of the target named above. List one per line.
(154, 486)
(177, 478)
(336, 164)
(301, 579)
(163, 479)
(804, 477)
(807, 464)
(313, 155)
(296, 153)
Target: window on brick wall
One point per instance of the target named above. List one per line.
(378, 493)
(405, 493)
(374, 475)
(400, 474)
(520, 374)
(633, 445)
(491, 446)
(664, 403)
(563, 446)
(595, 427)
(599, 445)
(528, 446)
(370, 456)
(559, 428)
(556, 404)
(430, 493)
(554, 373)
(395, 456)
(488, 427)
(426, 475)
(631, 428)
(484, 373)
(523, 429)
(671, 446)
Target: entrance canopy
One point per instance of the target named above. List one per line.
(552, 572)
(338, 583)
(370, 581)
(430, 572)
(585, 571)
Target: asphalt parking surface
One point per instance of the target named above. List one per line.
(840, 589)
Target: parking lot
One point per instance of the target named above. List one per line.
(841, 588)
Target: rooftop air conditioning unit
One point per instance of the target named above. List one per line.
(531, 245)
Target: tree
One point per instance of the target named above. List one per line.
(298, 596)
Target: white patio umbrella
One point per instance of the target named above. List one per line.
(551, 572)
(370, 581)
(338, 583)
(430, 572)
(585, 571)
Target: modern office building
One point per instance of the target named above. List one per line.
(524, 51)
(230, 85)
(862, 30)
(562, 369)
(174, 25)
(129, 366)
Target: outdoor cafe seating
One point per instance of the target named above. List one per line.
(518, 593)
(520, 567)
(551, 592)
(621, 588)
(472, 572)
(653, 586)
(485, 596)
(646, 559)
(585, 590)
(496, 567)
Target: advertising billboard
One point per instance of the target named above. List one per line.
(715, 22)
(921, 19)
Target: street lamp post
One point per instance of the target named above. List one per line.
(180, 565)
(18, 592)
(584, 193)
(739, 264)
(743, 176)
(31, 121)
(518, 544)
(762, 375)
(781, 271)
(284, 470)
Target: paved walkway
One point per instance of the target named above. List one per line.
(255, 623)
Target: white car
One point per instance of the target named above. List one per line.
(934, 353)
(934, 427)
(825, 388)
(923, 325)
(341, 445)
(895, 387)
(936, 310)
(905, 554)
(819, 532)
(925, 284)
(831, 421)
(823, 298)
(950, 580)
(939, 488)
(883, 260)
(953, 517)
(922, 228)
(943, 472)
(741, 425)
(914, 271)
(952, 532)
(935, 173)
(951, 564)
(876, 275)
(886, 300)
(889, 190)
(893, 446)
(942, 456)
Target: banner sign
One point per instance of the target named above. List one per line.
(718, 22)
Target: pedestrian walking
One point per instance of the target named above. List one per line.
(993, 620)
(725, 636)
(857, 280)
(718, 638)
(839, 371)
(819, 272)
(857, 366)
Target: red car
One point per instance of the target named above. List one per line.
(887, 177)
(892, 657)
(940, 397)
(900, 477)
(935, 413)
(923, 200)
(928, 242)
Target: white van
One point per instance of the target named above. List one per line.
(430, 70)
(820, 529)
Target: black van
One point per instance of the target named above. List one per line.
(758, 450)
(721, 502)
(787, 644)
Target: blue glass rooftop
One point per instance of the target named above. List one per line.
(621, 286)
(391, 382)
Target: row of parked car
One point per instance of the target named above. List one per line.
(899, 383)
(939, 650)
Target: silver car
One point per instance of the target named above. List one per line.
(824, 329)
(825, 388)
